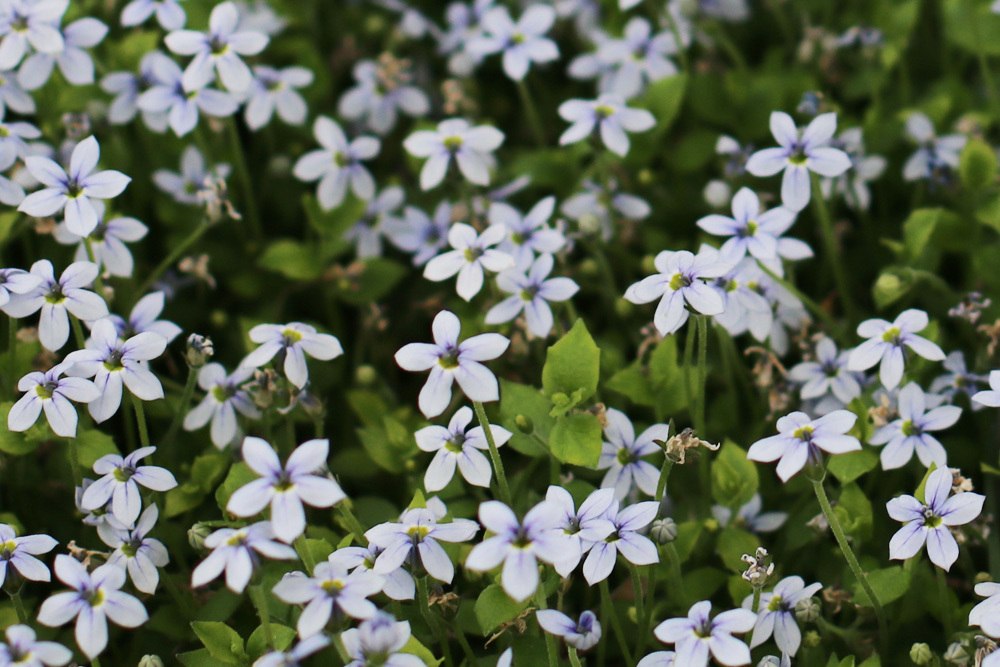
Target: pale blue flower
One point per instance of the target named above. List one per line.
(338, 164)
(885, 344)
(699, 635)
(609, 116)
(802, 440)
(582, 635)
(414, 540)
(378, 104)
(169, 13)
(522, 42)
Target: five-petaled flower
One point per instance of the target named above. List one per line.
(458, 445)
(338, 164)
(234, 551)
(331, 589)
(470, 256)
(472, 148)
(19, 553)
(622, 452)
(885, 344)
(909, 433)
(51, 392)
(607, 114)
(800, 441)
(120, 481)
(415, 538)
(698, 635)
(293, 341)
(776, 614)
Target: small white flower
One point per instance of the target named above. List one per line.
(379, 102)
(471, 254)
(107, 241)
(419, 234)
(886, 342)
(800, 441)
(472, 148)
(30, 25)
(234, 551)
(581, 635)
(698, 635)
(910, 432)
(51, 393)
(531, 294)
(935, 154)
(609, 115)
(415, 538)
(138, 554)
(184, 186)
(338, 164)
(624, 539)
(776, 614)
(929, 522)
(522, 43)
(529, 234)
(15, 283)
(450, 361)
(456, 446)
(143, 318)
(378, 641)
(828, 374)
(330, 590)
(294, 340)
(582, 528)
(285, 488)
(989, 397)
(120, 482)
(170, 103)
(986, 614)
(169, 14)
(622, 452)
(224, 397)
(19, 553)
(276, 90)
(94, 600)
(23, 649)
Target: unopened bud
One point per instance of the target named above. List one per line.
(807, 610)
(524, 424)
(769, 661)
(589, 267)
(197, 534)
(956, 655)
(199, 350)
(921, 654)
(151, 661)
(623, 308)
(365, 375)
(811, 639)
(663, 531)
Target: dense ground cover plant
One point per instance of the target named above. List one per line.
(596, 332)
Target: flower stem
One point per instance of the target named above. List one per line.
(239, 157)
(174, 255)
(637, 590)
(22, 615)
(661, 484)
(259, 599)
(494, 453)
(531, 111)
(423, 601)
(574, 659)
(81, 340)
(73, 454)
(140, 418)
(12, 354)
(178, 419)
(89, 247)
(550, 642)
(944, 602)
(616, 623)
(353, 525)
(830, 243)
(755, 607)
(850, 557)
(699, 419)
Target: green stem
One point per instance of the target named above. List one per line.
(531, 111)
(699, 421)
(81, 340)
(574, 659)
(494, 453)
(95, 662)
(302, 549)
(259, 598)
(830, 244)
(243, 173)
(89, 247)
(22, 615)
(637, 591)
(174, 255)
(73, 454)
(616, 623)
(661, 484)
(756, 599)
(188, 393)
(12, 354)
(423, 601)
(646, 621)
(140, 418)
(550, 642)
(689, 335)
(674, 573)
(813, 307)
(353, 525)
(850, 557)
(944, 602)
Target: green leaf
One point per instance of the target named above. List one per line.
(889, 584)
(576, 439)
(198, 658)
(292, 259)
(852, 465)
(522, 404)
(971, 25)
(206, 472)
(494, 608)
(922, 487)
(977, 165)
(855, 512)
(282, 635)
(239, 475)
(221, 641)
(572, 365)
(92, 445)
(734, 477)
(11, 442)
(732, 544)
(376, 279)
(414, 647)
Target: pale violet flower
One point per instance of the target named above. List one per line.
(581, 635)
(527, 234)
(910, 432)
(471, 147)
(458, 445)
(885, 344)
(680, 284)
(597, 210)
(640, 57)
(622, 452)
(58, 299)
(51, 393)
(338, 164)
(989, 397)
(699, 635)
(141, 556)
(380, 213)
(607, 114)
(294, 656)
(531, 293)
(15, 283)
(224, 397)
(930, 521)
(114, 363)
(522, 42)
(776, 614)
(800, 152)
(378, 641)
(470, 256)
(826, 374)
(414, 539)
(74, 62)
(582, 528)
(285, 487)
(801, 440)
(756, 232)
(95, 599)
(169, 13)
(853, 184)
(125, 87)
(72, 192)
(194, 177)
(107, 242)
(144, 317)
(294, 341)
(750, 516)
(986, 614)
(218, 51)
(169, 98)
(22, 648)
(419, 234)
(329, 591)
(958, 380)
(29, 25)
(120, 481)
(276, 90)
(12, 95)
(379, 102)
(625, 540)
(518, 545)
(450, 361)
(19, 553)
(235, 552)
(659, 659)
(936, 154)
(397, 585)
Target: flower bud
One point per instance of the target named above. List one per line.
(807, 610)
(524, 424)
(811, 639)
(151, 661)
(956, 655)
(197, 534)
(199, 350)
(623, 308)
(717, 193)
(663, 531)
(365, 375)
(769, 661)
(921, 654)
(589, 267)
